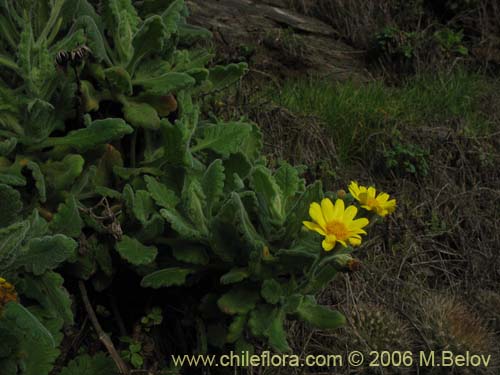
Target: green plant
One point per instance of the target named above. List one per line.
(109, 170)
(451, 41)
(406, 159)
(133, 352)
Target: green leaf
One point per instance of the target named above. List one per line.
(7, 146)
(143, 206)
(194, 202)
(190, 34)
(260, 319)
(135, 252)
(236, 328)
(148, 39)
(319, 316)
(190, 253)
(46, 253)
(268, 193)
(39, 179)
(172, 16)
(49, 291)
(235, 275)
(97, 133)
(238, 300)
(62, 174)
(84, 364)
(276, 333)
(300, 211)
(167, 83)
(223, 138)
(180, 225)
(166, 277)
(287, 178)
(213, 184)
(11, 239)
(223, 76)
(119, 80)
(67, 220)
(11, 205)
(271, 291)
(140, 115)
(163, 196)
(27, 323)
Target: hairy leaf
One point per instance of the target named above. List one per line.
(223, 138)
(11, 205)
(46, 253)
(135, 252)
(97, 133)
(163, 196)
(238, 300)
(67, 220)
(166, 277)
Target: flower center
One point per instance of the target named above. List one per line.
(372, 202)
(338, 229)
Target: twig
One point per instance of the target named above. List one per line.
(122, 366)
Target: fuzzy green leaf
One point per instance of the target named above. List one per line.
(271, 291)
(11, 239)
(163, 196)
(67, 220)
(99, 364)
(135, 252)
(213, 184)
(172, 16)
(27, 323)
(148, 39)
(7, 146)
(238, 300)
(236, 328)
(223, 76)
(166, 277)
(277, 334)
(11, 205)
(167, 83)
(49, 291)
(62, 174)
(140, 115)
(97, 133)
(319, 316)
(235, 275)
(190, 254)
(268, 193)
(180, 224)
(46, 253)
(39, 179)
(143, 206)
(223, 138)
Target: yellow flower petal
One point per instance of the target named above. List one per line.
(316, 214)
(355, 241)
(327, 208)
(315, 227)
(338, 210)
(349, 213)
(371, 192)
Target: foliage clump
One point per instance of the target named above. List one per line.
(112, 178)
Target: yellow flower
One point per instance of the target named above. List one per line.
(336, 223)
(7, 292)
(380, 204)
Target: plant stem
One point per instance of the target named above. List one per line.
(122, 366)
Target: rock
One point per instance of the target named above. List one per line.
(275, 39)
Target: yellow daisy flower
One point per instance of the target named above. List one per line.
(367, 196)
(336, 223)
